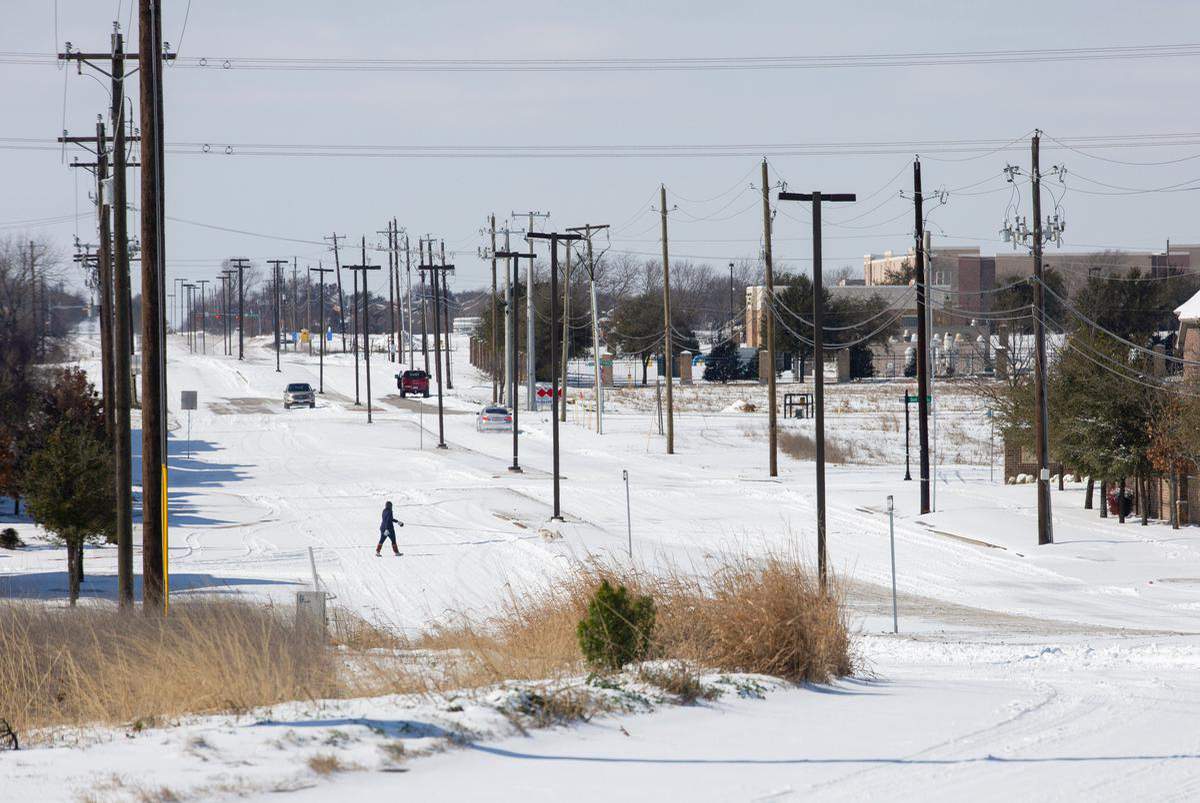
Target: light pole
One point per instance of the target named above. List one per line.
(815, 198)
(321, 271)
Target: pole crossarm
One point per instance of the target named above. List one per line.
(835, 197)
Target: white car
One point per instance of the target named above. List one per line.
(493, 419)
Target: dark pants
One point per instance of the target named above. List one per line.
(385, 535)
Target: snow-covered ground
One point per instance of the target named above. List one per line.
(1063, 671)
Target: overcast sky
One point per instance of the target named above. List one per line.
(307, 197)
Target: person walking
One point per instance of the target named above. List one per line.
(387, 529)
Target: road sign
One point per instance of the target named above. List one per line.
(187, 399)
(912, 398)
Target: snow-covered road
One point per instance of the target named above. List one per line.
(1062, 671)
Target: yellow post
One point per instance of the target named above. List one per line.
(165, 541)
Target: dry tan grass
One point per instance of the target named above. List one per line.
(799, 446)
(90, 665)
(60, 667)
(763, 615)
(326, 764)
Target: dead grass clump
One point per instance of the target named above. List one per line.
(326, 764)
(357, 633)
(764, 615)
(680, 682)
(100, 665)
(549, 707)
(799, 446)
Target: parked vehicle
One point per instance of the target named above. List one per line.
(300, 393)
(415, 381)
(494, 419)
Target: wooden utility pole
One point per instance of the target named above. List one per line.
(1041, 422)
(424, 309)
(668, 347)
(921, 265)
(510, 310)
(122, 344)
(772, 423)
(554, 237)
(587, 230)
(434, 271)
(566, 329)
(203, 314)
(320, 271)
(364, 267)
(815, 198)
(155, 587)
(276, 274)
(391, 293)
(337, 262)
(446, 311)
(241, 263)
(492, 355)
(408, 300)
(530, 315)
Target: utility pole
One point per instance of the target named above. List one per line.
(203, 315)
(530, 356)
(446, 311)
(276, 272)
(424, 310)
(514, 258)
(120, 326)
(391, 292)
(364, 267)
(320, 271)
(354, 306)
(730, 299)
(155, 588)
(568, 238)
(408, 296)
(295, 298)
(922, 335)
(493, 350)
(227, 326)
(337, 261)
(588, 229)
(816, 198)
(1042, 425)
(772, 423)
(668, 347)
(566, 329)
(399, 312)
(241, 263)
(434, 271)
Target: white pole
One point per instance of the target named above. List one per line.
(312, 561)
(596, 357)
(892, 539)
(628, 512)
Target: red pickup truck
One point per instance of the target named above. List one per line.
(415, 382)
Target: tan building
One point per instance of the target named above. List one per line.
(879, 268)
(756, 302)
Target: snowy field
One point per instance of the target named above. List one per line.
(1059, 672)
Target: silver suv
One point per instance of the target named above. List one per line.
(299, 393)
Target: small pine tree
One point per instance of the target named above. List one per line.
(617, 628)
(69, 491)
(721, 365)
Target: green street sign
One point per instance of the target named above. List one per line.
(913, 399)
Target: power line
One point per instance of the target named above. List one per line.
(674, 64)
